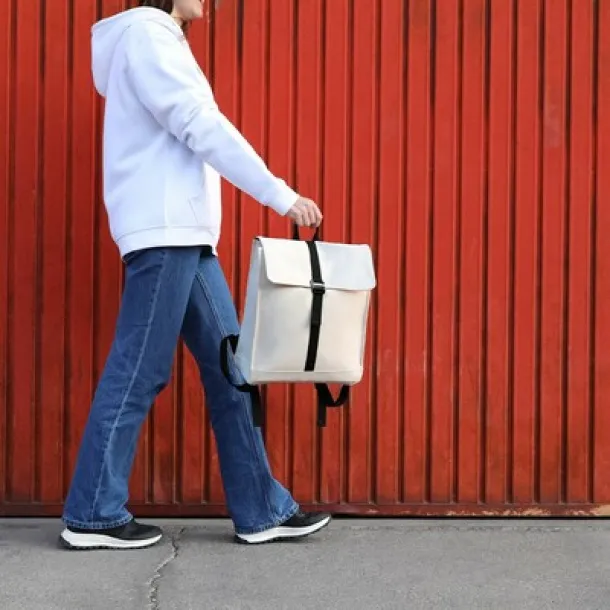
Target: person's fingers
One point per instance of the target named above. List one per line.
(313, 214)
(301, 218)
(311, 217)
(306, 213)
(295, 213)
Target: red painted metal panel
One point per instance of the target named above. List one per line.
(601, 211)
(6, 173)
(467, 141)
(526, 340)
(362, 158)
(499, 272)
(417, 270)
(473, 151)
(553, 252)
(23, 343)
(444, 250)
(581, 215)
(389, 344)
(52, 255)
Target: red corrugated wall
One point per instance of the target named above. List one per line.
(467, 140)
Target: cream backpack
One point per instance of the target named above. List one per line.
(304, 319)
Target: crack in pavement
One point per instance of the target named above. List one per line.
(154, 582)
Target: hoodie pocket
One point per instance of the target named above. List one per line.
(205, 210)
(197, 204)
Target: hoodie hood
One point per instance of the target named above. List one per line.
(106, 34)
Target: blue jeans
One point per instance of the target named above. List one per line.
(171, 292)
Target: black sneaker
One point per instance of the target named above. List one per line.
(132, 535)
(299, 526)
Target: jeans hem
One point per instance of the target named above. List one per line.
(261, 528)
(97, 525)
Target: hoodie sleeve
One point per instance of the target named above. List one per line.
(171, 86)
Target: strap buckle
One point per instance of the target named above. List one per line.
(317, 287)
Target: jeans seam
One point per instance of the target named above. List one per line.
(154, 300)
(223, 330)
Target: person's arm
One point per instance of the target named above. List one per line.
(170, 87)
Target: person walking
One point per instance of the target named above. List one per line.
(165, 146)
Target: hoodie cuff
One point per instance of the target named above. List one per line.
(283, 198)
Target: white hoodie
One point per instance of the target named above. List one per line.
(165, 141)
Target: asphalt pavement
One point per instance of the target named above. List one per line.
(353, 564)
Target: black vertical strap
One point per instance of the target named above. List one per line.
(318, 290)
(296, 234)
(326, 400)
(255, 395)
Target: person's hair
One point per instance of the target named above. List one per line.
(164, 5)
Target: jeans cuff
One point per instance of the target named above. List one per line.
(261, 528)
(96, 525)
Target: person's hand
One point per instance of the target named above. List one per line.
(305, 213)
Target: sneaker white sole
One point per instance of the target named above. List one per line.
(73, 540)
(283, 533)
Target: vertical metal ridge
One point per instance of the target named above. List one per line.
(401, 153)
(211, 46)
(484, 345)
(9, 388)
(206, 490)
(267, 112)
(347, 229)
(403, 305)
(376, 238)
(538, 254)
(238, 96)
(12, 110)
(554, 118)
(10, 392)
(81, 252)
(38, 369)
(430, 258)
(593, 232)
(5, 150)
(417, 183)
(150, 449)
(24, 283)
(565, 339)
(457, 256)
(580, 253)
(67, 474)
(389, 252)
(294, 85)
(597, 473)
(363, 186)
(375, 228)
(178, 413)
(97, 177)
(54, 236)
(510, 445)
